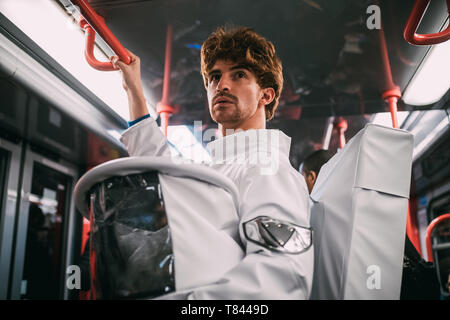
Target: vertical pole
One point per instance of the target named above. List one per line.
(92, 256)
(392, 92)
(392, 101)
(167, 62)
(163, 108)
(341, 126)
(327, 133)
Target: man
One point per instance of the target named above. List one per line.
(310, 167)
(243, 78)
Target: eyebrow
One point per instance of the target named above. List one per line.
(239, 66)
(215, 71)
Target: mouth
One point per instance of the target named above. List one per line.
(222, 101)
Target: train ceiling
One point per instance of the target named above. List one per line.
(331, 60)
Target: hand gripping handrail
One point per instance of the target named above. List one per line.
(91, 23)
(416, 15)
(430, 230)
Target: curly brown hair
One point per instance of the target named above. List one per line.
(242, 45)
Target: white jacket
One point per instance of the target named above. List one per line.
(257, 161)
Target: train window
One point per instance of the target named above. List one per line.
(7, 92)
(49, 198)
(56, 126)
(12, 107)
(437, 161)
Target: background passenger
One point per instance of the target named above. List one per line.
(310, 167)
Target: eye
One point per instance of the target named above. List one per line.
(240, 74)
(214, 77)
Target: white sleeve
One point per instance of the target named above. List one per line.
(145, 139)
(263, 273)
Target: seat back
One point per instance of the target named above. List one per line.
(155, 228)
(358, 216)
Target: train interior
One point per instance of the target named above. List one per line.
(59, 117)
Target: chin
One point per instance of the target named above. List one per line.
(226, 119)
(220, 116)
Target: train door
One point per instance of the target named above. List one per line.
(44, 230)
(10, 154)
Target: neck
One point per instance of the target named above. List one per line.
(258, 121)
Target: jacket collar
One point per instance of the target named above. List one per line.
(244, 145)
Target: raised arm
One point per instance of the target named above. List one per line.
(143, 138)
(131, 82)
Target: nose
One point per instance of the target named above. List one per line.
(223, 84)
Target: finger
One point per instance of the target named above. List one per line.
(120, 64)
(132, 56)
(114, 60)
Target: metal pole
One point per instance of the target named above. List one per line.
(163, 108)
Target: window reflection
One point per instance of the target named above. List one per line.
(42, 274)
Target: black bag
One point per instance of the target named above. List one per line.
(419, 278)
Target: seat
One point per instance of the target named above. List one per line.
(358, 216)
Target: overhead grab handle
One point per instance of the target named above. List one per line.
(92, 23)
(416, 15)
(430, 230)
(89, 51)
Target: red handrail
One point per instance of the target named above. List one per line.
(89, 51)
(391, 92)
(164, 108)
(416, 15)
(430, 230)
(92, 257)
(92, 23)
(392, 96)
(341, 126)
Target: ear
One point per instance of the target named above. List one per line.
(267, 96)
(312, 177)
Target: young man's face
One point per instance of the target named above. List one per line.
(234, 96)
